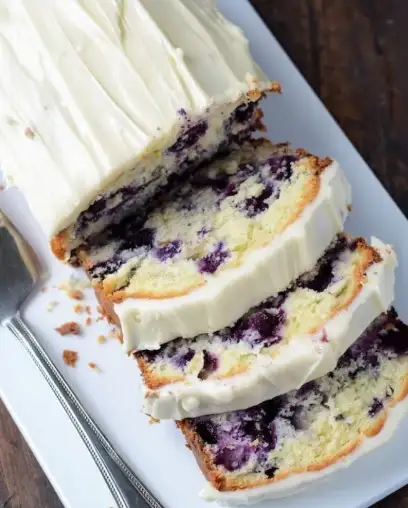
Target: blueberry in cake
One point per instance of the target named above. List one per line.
(289, 339)
(282, 443)
(104, 103)
(248, 224)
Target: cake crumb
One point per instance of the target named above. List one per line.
(69, 328)
(51, 305)
(75, 294)
(88, 310)
(153, 420)
(78, 308)
(88, 321)
(70, 357)
(93, 366)
(101, 339)
(115, 333)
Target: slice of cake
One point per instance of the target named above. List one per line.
(103, 103)
(286, 341)
(279, 446)
(238, 231)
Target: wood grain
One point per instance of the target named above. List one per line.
(354, 53)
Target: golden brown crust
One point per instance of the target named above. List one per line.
(59, 246)
(223, 483)
(152, 380)
(107, 307)
(197, 446)
(370, 257)
(119, 296)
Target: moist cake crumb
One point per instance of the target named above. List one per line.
(75, 294)
(78, 308)
(101, 339)
(115, 333)
(93, 366)
(69, 328)
(70, 357)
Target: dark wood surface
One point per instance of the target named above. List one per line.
(355, 55)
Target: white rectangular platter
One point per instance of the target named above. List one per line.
(157, 452)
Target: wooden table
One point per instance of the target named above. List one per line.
(354, 53)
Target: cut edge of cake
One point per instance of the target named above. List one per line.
(149, 323)
(382, 433)
(315, 354)
(386, 413)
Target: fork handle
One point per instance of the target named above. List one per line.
(127, 490)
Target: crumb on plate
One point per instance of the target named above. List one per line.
(69, 328)
(70, 357)
(78, 308)
(75, 294)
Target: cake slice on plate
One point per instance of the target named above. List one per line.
(289, 339)
(278, 447)
(103, 103)
(236, 232)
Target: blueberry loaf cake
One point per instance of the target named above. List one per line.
(104, 103)
(275, 447)
(286, 341)
(246, 225)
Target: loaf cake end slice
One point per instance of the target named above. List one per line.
(281, 445)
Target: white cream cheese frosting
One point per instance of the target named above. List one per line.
(148, 323)
(303, 359)
(90, 87)
(298, 482)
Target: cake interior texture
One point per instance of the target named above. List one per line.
(198, 141)
(300, 310)
(208, 224)
(310, 428)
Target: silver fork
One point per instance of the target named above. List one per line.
(19, 273)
